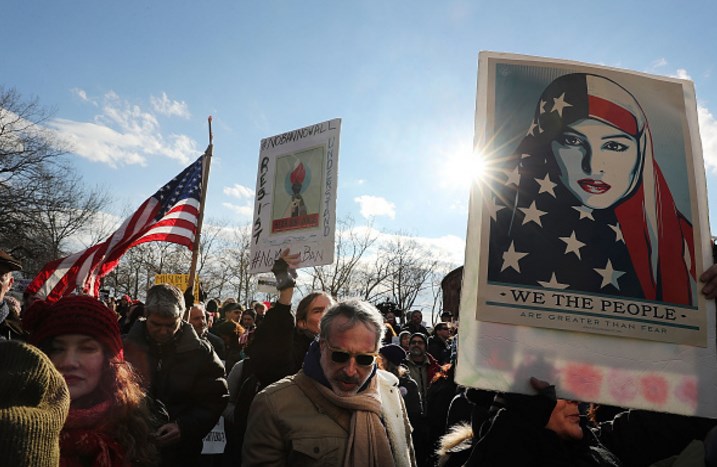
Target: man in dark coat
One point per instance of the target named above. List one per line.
(415, 323)
(198, 320)
(180, 371)
(543, 430)
(439, 343)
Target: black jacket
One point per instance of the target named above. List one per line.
(440, 350)
(278, 347)
(217, 344)
(515, 435)
(187, 377)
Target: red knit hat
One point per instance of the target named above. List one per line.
(74, 314)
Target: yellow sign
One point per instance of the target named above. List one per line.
(181, 281)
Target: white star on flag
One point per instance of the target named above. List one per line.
(585, 212)
(609, 275)
(553, 283)
(511, 258)
(494, 207)
(572, 244)
(559, 104)
(513, 176)
(618, 232)
(532, 214)
(546, 185)
(533, 125)
(542, 106)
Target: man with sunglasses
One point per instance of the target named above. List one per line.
(339, 409)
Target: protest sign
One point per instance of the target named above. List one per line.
(180, 281)
(216, 440)
(295, 201)
(586, 234)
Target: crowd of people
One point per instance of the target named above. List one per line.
(85, 382)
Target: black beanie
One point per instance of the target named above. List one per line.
(34, 402)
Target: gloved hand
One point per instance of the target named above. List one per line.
(284, 273)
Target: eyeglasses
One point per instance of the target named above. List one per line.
(341, 356)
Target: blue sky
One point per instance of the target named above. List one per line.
(133, 83)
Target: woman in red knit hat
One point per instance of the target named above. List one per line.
(109, 423)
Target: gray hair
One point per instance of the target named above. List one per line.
(356, 311)
(165, 300)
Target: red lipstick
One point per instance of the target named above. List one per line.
(595, 187)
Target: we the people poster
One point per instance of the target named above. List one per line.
(587, 232)
(295, 200)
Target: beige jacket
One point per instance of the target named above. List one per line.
(286, 428)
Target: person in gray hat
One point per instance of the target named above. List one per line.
(8, 264)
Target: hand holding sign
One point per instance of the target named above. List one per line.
(709, 279)
(284, 272)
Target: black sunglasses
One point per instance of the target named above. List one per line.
(341, 356)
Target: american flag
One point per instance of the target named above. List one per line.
(169, 215)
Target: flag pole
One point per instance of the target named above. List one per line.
(205, 180)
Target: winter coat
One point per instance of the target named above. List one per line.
(186, 376)
(286, 428)
(423, 374)
(441, 350)
(278, 347)
(411, 397)
(516, 435)
(217, 344)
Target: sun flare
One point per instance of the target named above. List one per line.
(464, 168)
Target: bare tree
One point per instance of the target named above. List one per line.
(435, 281)
(42, 201)
(26, 148)
(237, 264)
(224, 261)
(410, 265)
(131, 276)
(62, 210)
(371, 279)
(339, 279)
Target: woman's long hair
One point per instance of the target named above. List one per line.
(385, 364)
(129, 419)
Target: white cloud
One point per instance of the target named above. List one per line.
(99, 143)
(708, 134)
(239, 191)
(375, 206)
(122, 134)
(448, 248)
(659, 63)
(82, 94)
(244, 211)
(682, 74)
(168, 107)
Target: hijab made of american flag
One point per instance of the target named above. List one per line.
(541, 234)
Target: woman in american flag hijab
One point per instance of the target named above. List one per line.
(582, 205)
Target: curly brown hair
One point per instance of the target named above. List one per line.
(129, 419)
